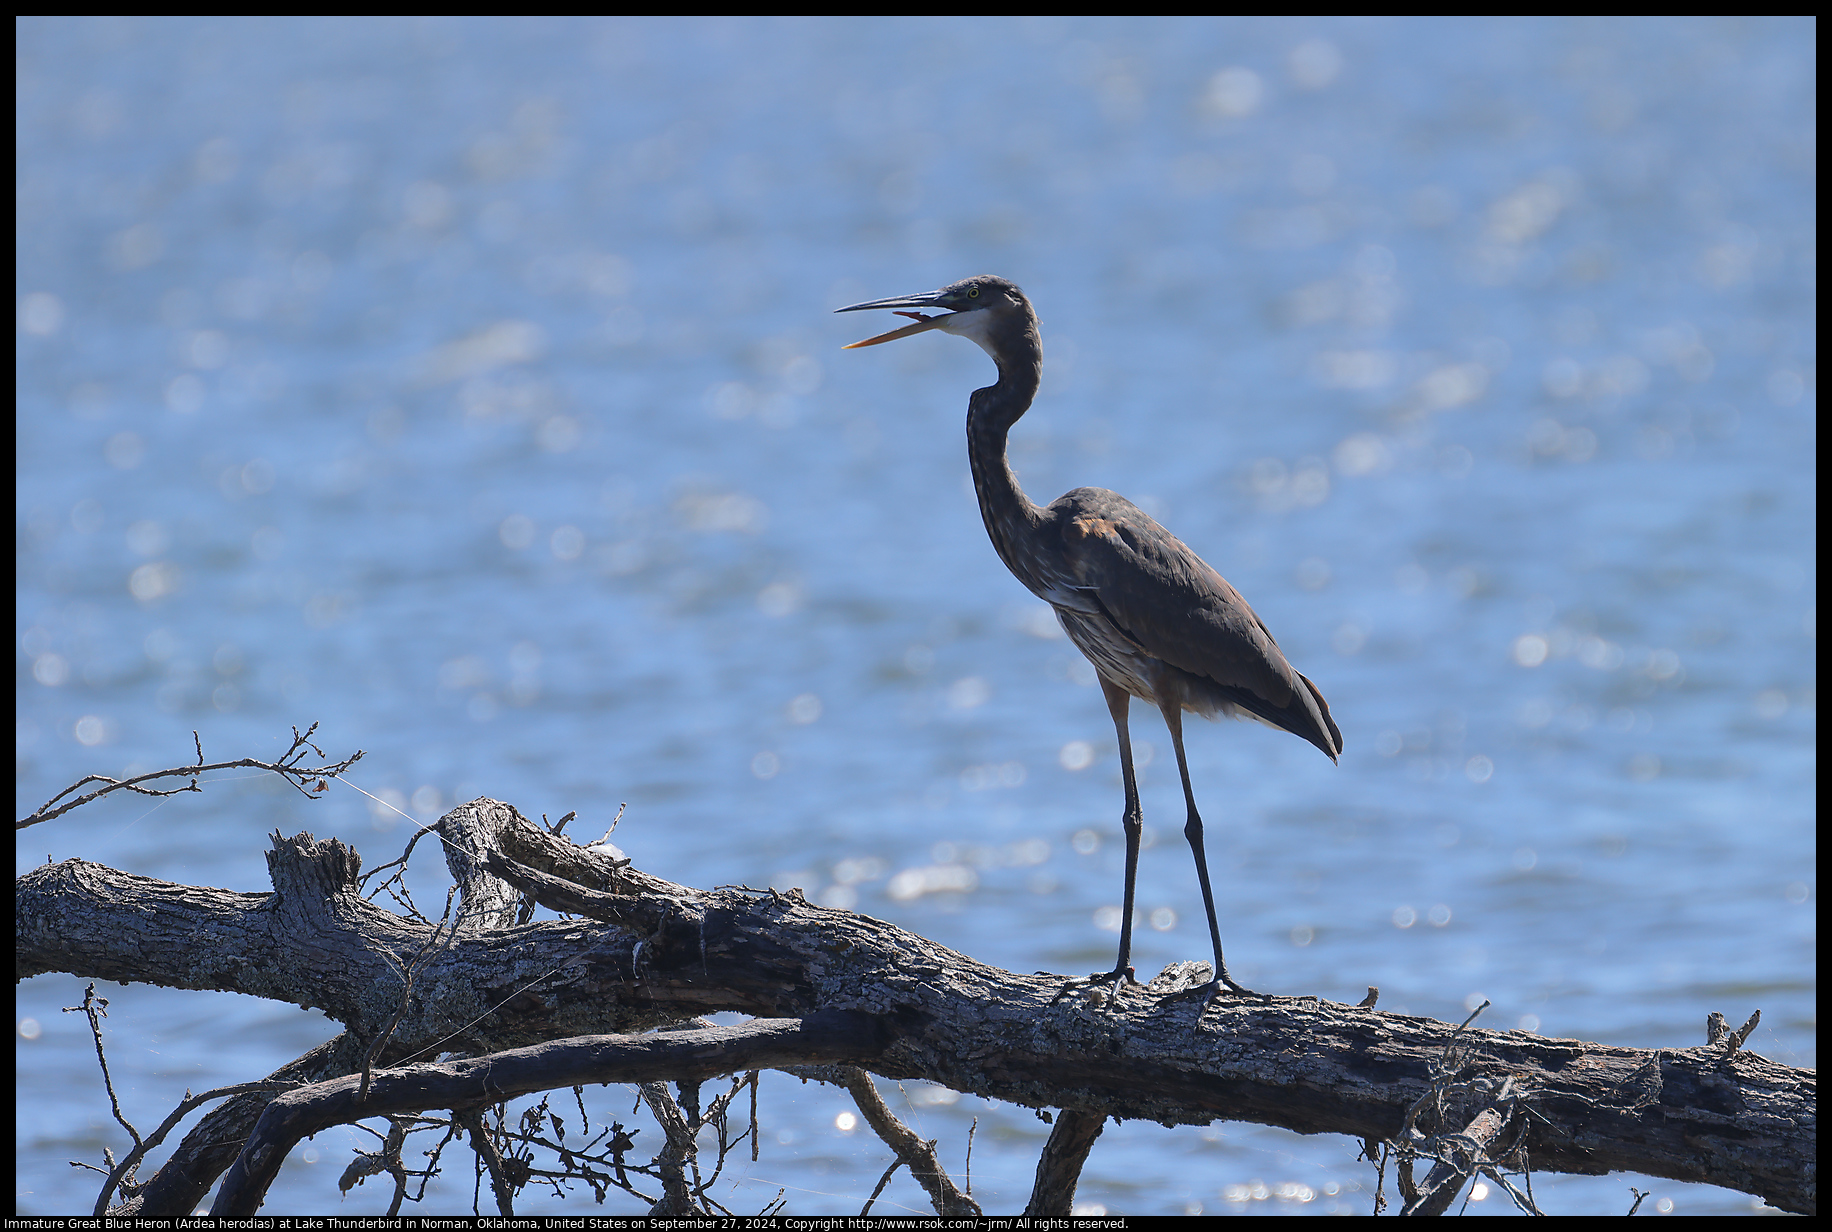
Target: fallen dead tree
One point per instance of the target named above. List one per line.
(519, 1006)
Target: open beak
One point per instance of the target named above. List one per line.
(901, 305)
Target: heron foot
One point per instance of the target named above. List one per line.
(1119, 975)
(1211, 992)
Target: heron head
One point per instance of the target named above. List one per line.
(983, 308)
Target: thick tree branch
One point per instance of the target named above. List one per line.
(653, 952)
(1059, 1167)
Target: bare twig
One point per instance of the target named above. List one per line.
(526, 911)
(717, 1115)
(1460, 1155)
(1717, 1031)
(1466, 1151)
(614, 821)
(971, 1130)
(401, 862)
(913, 1151)
(96, 1008)
(308, 780)
(752, 1082)
(492, 1160)
(896, 1163)
(434, 945)
(388, 1159)
(679, 1149)
(188, 1105)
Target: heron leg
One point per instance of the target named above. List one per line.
(1192, 830)
(1118, 703)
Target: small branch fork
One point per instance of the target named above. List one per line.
(1717, 1031)
(121, 1175)
(308, 780)
(683, 1056)
(1458, 1155)
(686, 1188)
(914, 1153)
(96, 1008)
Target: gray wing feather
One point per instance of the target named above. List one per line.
(1177, 609)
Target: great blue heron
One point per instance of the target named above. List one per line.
(1155, 620)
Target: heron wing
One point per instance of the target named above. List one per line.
(1174, 607)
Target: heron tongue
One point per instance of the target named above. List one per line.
(922, 323)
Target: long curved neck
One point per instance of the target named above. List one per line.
(991, 412)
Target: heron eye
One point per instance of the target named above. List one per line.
(973, 292)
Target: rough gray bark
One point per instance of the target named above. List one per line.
(652, 952)
(1059, 1167)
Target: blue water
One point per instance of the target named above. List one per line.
(471, 388)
